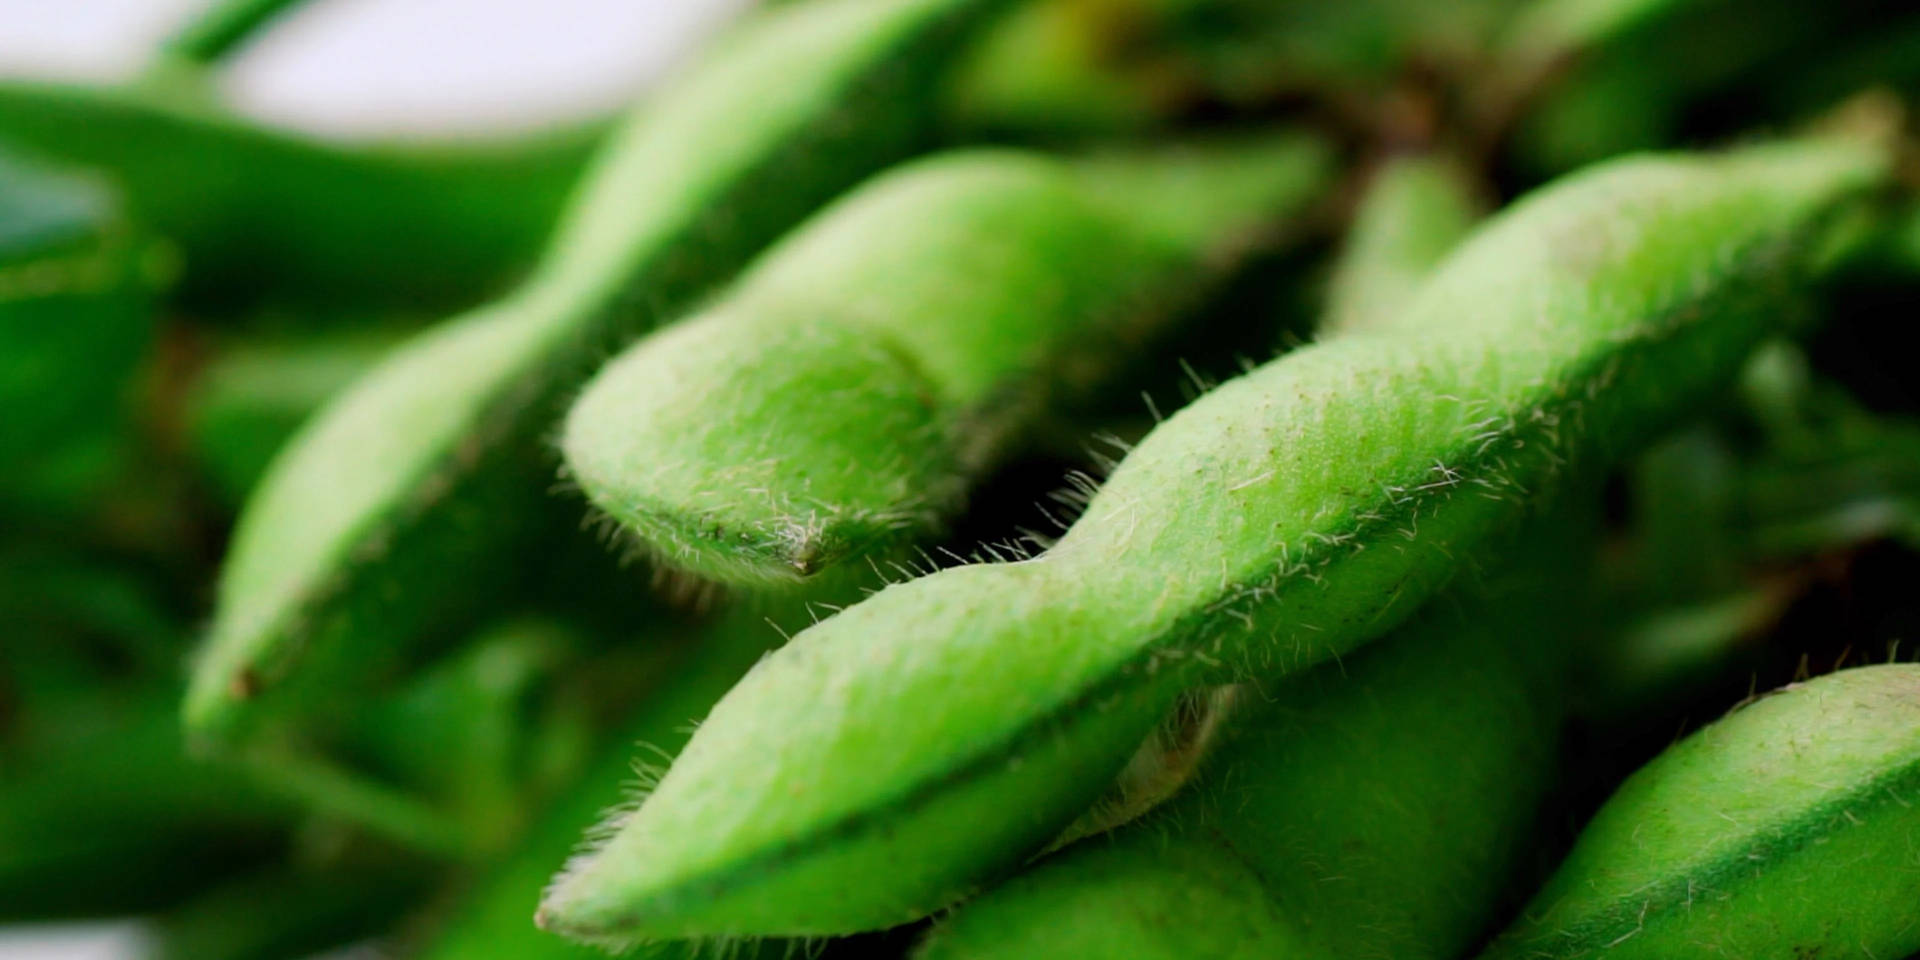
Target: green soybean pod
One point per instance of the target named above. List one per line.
(1782, 830)
(1063, 68)
(260, 214)
(1415, 210)
(491, 920)
(929, 317)
(400, 497)
(930, 737)
(1375, 808)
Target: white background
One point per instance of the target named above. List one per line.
(384, 67)
(367, 68)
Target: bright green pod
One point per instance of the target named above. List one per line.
(401, 499)
(1781, 831)
(1415, 210)
(1292, 840)
(932, 736)
(76, 280)
(1063, 68)
(930, 318)
(1374, 808)
(259, 213)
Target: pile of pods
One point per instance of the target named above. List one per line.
(986, 478)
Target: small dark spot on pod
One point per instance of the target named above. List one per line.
(245, 685)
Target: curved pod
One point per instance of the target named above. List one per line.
(934, 735)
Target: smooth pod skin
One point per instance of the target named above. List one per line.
(401, 500)
(1372, 808)
(1784, 830)
(929, 317)
(262, 214)
(1415, 211)
(931, 737)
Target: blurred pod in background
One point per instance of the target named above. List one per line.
(77, 280)
(260, 214)
(254, 394)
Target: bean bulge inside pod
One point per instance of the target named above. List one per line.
(408, 497)
(925, 319)
(924, 741)
(1376, 807)
(1784, 830)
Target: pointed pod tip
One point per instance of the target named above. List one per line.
(212, 713)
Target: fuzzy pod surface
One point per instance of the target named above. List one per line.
(928, 318)
(1786, 829)
(1372, 808)
(931, 737)
(402, 497)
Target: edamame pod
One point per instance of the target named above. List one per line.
(491, 921)
(932, 736)
(394, 502)
(931, 316)
(260, 214)
(1782, 830)
(1064, 68)
(1416, 209)
(1375, 808)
